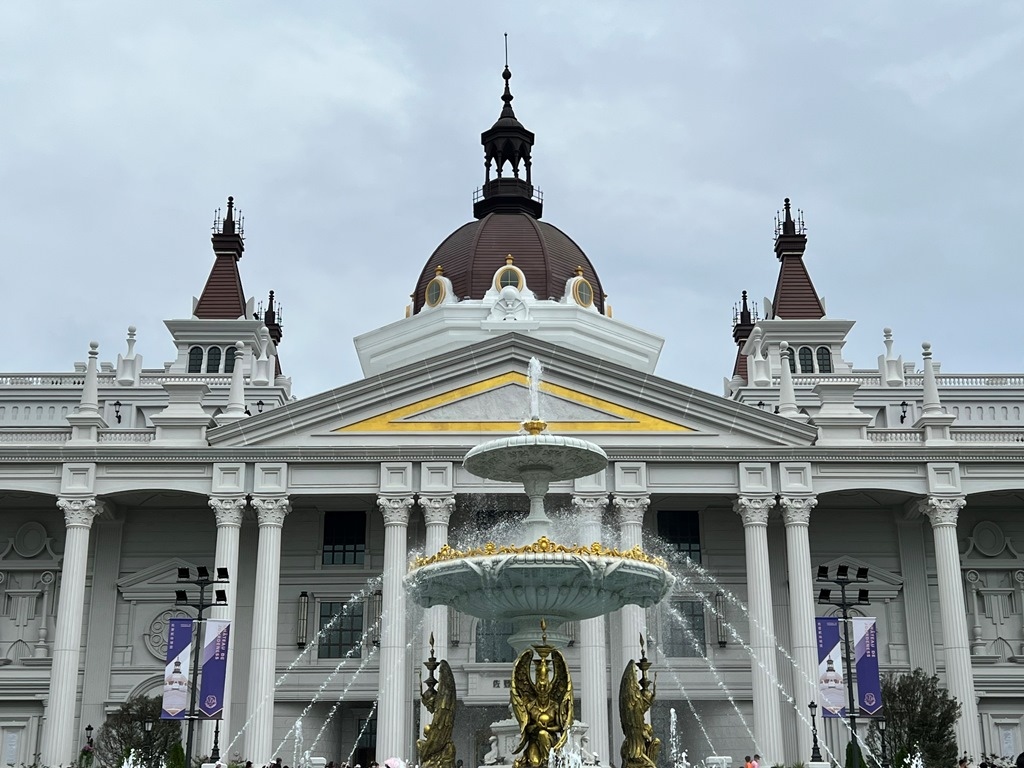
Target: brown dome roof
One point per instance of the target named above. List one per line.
(475, 251)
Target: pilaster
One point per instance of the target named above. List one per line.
(630, 509)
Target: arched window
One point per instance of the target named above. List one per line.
(806, 360)
(792, 361)
(492, 641)
(213, 360)
(824, 360)
(195, 360)
(229, 360)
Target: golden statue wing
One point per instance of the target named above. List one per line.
(444, 706)
(561, 692)
(629, 690)
(522, 687)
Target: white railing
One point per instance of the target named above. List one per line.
(987, 435)
(213, 379)
(911, 379)
(906, 436)
(127, 436)
(107, 379)
(34, 436)
(42, 380)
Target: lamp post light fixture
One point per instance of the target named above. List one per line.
(88, 734)
(201, 578)
(903, 411)
(815, 749)
(843, 579)
(880, 724)
(147, 726)
(720, 622)
(302, 626)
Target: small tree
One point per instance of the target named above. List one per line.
(919, 714)
(124, 732)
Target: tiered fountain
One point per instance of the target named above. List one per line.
(535, 578)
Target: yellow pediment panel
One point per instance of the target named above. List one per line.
(470, 409)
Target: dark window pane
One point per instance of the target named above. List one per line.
(229, 360)
(792, 362)
(492, 641)
(684, 635)
(213, 360)
(806, 360)
(195, 360)
(344, 538)
(345, 633)
(824, 360)
(681, 530)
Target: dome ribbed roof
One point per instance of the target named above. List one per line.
(475, 251)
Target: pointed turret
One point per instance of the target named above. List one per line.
(795, 297)
(272, 319)
(742, 324)
(222, 297)
(508, 142)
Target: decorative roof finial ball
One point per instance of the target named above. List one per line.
(784, 346)
(132, 329)
(887, 331)
(926, 348)
(93, 346)
(239, 347)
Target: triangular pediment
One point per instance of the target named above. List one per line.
(500, 404)
(452, 400)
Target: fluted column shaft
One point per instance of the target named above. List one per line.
(58, 743)
(270, 512)
(228, 513)
(797, 515)
(767, 719)
(593, 643)
(959, 676)
(392, 734)
(437, 510)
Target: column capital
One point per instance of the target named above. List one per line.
(436, 509)
(796, 510)
(228, 510)
(79, 513)
(395, 509)
(754, 509)
(590, 507)
(631, 508)
(942, 511)
(271, 511)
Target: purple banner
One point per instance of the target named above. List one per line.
(869, 686)
(215, 669)
(179, 652)
(831, 683)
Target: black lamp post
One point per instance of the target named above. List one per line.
(815, 749)
(202, 579)
(842, 579)
(147, 726)
(88, 734)
(215, 752)
(880, 723)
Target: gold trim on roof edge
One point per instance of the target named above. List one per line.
(543, 546)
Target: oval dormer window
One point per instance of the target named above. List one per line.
(435, 292)
(583, 292)
(508, 276)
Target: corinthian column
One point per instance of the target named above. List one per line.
(797, 514)
(767, 720)
(437, 510)
(593, 641)
(943, 513)
(58, 743)
(392, 734)
(270, 512)
(228, 513)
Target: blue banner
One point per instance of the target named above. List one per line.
(831, 682)
(179, 652)
(869, 686)
(215, 669)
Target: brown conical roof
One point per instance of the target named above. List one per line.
(475, 251)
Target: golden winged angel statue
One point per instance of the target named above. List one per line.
(640, 748)
(543, 706)
(436, 749)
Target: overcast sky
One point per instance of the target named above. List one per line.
(667, 136)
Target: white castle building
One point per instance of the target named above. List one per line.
(115, 474)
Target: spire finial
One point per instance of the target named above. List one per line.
(788, 225)
(506, 75)
(506, 50)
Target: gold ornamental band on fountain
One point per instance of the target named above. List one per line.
(543, 546)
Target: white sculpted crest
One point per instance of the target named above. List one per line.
(943, 511)
(272, 511)
(228, 511)
(632, 508)
(395, 509)
(754, 509)
(78, 513)
(437, 509)
(797, 510)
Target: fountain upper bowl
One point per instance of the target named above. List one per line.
(559, 457)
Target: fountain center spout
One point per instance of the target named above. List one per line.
(535, 425)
